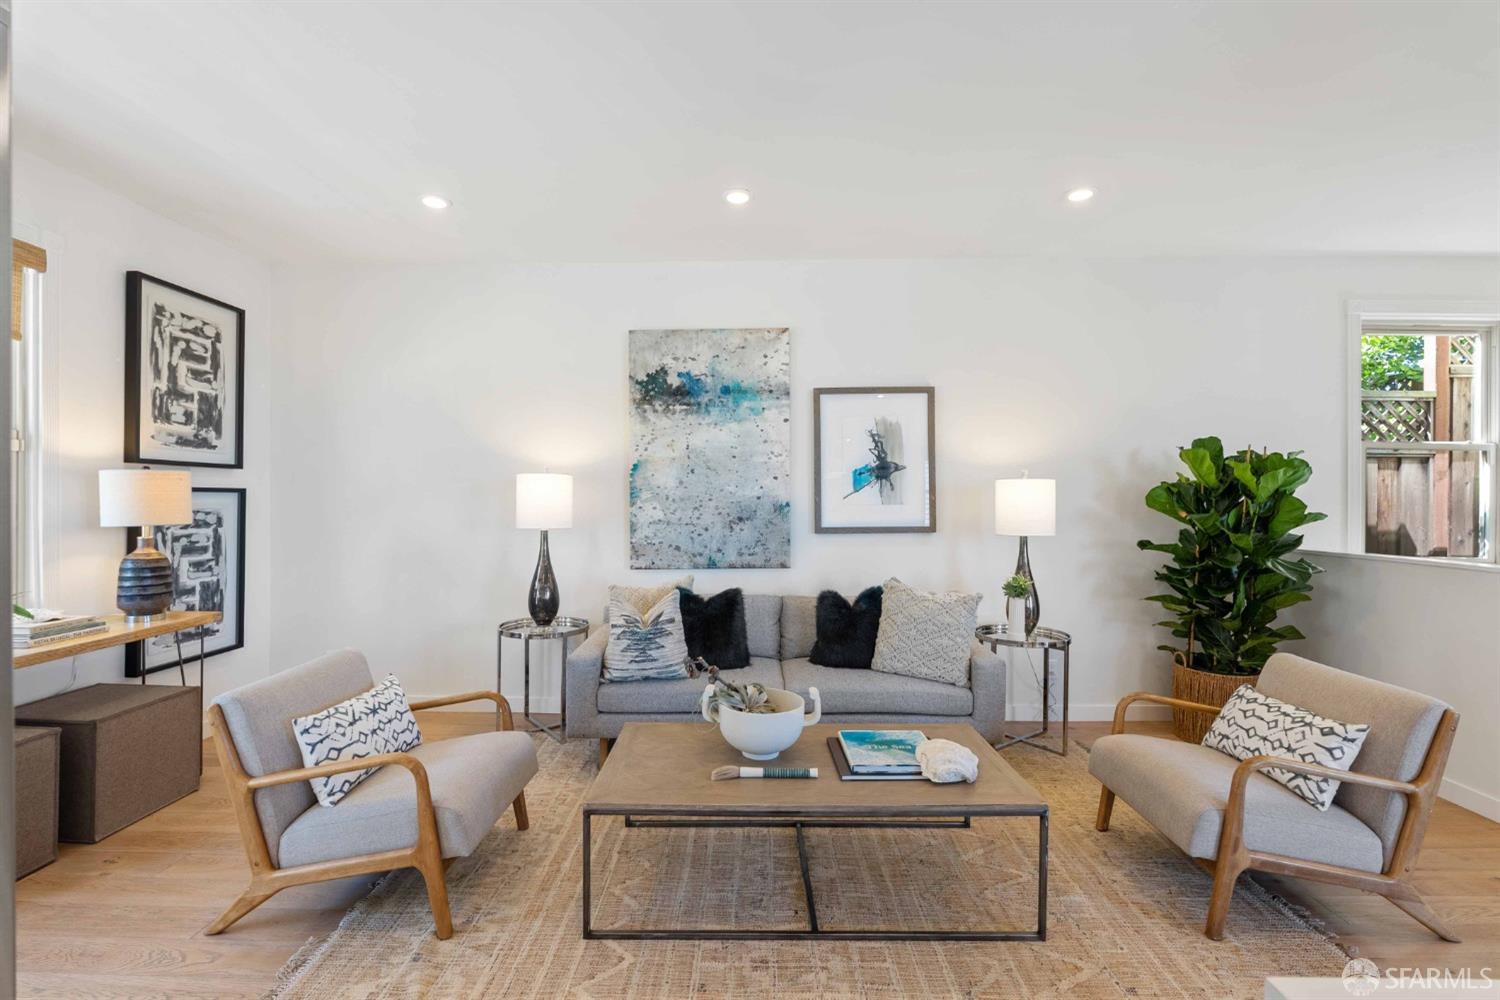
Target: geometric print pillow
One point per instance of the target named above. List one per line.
(1252, 724)
(375, 722)
(646, 645)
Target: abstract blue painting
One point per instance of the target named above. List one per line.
(710, 442)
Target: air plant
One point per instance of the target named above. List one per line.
(1017, 587)
(749, 697)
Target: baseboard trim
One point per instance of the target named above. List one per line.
(1472, 799)
(1100, 712)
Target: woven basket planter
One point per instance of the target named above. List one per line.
(1205, 688)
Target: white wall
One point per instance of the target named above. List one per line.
(405, 400)
(92, 237)
(1431, 628)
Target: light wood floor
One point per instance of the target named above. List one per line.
(125, 918)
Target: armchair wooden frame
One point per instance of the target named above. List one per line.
(266, 880)
(1232, 857)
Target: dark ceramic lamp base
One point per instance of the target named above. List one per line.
(542, 604)
(145, 588)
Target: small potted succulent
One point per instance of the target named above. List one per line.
(1016, 590)
(758, 721)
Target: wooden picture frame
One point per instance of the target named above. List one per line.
(901, 502)
(190, 586)
(184, 376)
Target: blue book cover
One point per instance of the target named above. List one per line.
(889, 751)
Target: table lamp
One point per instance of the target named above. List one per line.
(544, 500)
(1026, 507)
(144, 498)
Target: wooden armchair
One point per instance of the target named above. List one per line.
(457, 790)
(1229, 818)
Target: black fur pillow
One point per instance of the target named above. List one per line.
(846, 633)
(715, 627)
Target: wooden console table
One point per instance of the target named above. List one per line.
(119, 633)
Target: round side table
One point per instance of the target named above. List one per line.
(561, 629)
(1047, 640)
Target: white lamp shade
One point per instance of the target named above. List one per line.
(132, 498)
(544, 500)
(1026, 507)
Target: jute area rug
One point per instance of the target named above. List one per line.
(1125, 910)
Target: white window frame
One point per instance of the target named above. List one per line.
(27, 447)
(1460, 315)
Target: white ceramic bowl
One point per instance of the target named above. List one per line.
(763, 735)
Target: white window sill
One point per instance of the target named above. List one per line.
(1472, 565)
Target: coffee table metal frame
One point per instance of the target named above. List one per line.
(814, 932)
(1047, 640)
(560, 629)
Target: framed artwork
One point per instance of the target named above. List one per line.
(873, 467)
(208, 574)
(710, 447)
(184, 376)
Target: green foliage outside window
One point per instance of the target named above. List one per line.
(1390, 362)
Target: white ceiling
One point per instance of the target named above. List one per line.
(608, 131)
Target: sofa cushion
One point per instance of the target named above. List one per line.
(799, 626)
(846, 632)
(845, 692)
(657, 697)
(1183, 788)
(715, 628)
(473, 779)
(925, 634)
(763, 624)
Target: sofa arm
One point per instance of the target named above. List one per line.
(987, 682)
(581, 680)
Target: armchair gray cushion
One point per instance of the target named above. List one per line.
(259, 717)
(1402, 724)
(1182, 789)
(473, 780)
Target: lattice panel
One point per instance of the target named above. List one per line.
(1461, 350)
(1388, 419)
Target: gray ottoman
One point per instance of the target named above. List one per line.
(36, 797)
(127, 750)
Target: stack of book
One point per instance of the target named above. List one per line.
(876, 754)
(28, 632)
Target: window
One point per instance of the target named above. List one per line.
(28, 264)
(1426, 432)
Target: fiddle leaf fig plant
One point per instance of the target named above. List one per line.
(1233, 566)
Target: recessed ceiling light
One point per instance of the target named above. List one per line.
(437, 202)
(737, 196)
(1080, 194)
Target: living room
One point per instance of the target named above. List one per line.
(645, 380)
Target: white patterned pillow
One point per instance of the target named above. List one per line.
(925, 635)
(1252, 724)
(645, 645)
(375, 722)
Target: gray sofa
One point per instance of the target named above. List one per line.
(781, 631)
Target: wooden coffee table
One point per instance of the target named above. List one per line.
(658, 775)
